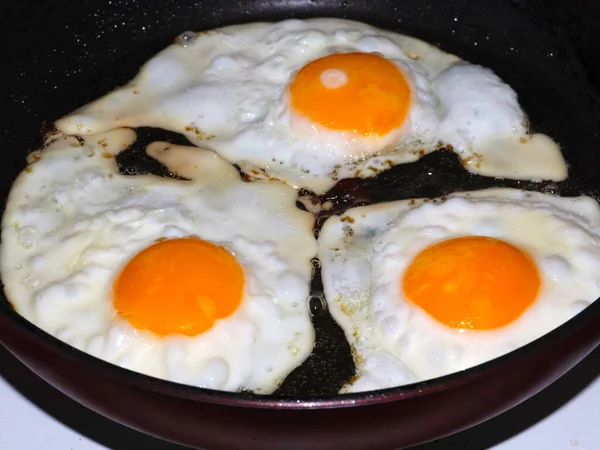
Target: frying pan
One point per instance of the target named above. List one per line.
(57, 55)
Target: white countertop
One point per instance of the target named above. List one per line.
(35, 416)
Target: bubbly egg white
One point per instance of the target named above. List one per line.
(226, 90)
(365, 253)
(72, 222)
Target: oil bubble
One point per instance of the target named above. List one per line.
(317, 304)
(321, 220)
(551, 189)
(185, 38)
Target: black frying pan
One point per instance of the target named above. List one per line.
(58, 56)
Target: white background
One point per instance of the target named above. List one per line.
(35, 416)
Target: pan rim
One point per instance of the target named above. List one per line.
(262, 401)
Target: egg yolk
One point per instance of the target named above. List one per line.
(359, 92)
(472, 282)
(179, 286)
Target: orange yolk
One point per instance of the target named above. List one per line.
(472, 282)
(179, 286)
(359, 92)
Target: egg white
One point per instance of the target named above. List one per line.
(365, 253)
(226, 90)
(72, 222)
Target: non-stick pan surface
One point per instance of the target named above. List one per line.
(58, 55)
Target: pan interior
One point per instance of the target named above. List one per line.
(543, 49)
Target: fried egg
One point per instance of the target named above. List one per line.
(202, 281)
(426, 288)
(313, 101)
